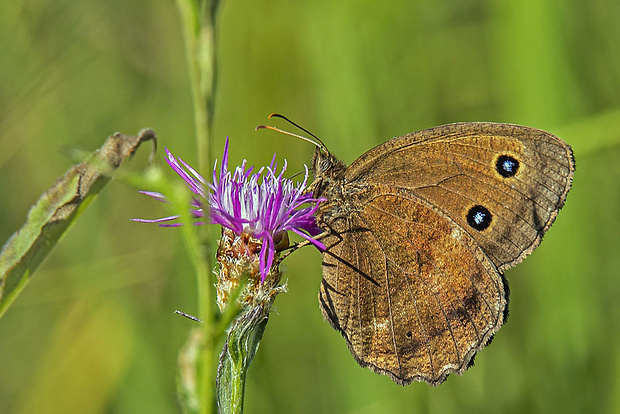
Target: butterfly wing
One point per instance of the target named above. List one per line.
(519, 175)
(411, 276)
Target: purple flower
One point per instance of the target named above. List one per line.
(263, 204)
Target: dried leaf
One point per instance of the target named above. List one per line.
(57, 209)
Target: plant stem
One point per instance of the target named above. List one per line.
(239, 350)
(198, 18)
(199, 24)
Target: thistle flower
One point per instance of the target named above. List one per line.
(262, 205)
(256, 211)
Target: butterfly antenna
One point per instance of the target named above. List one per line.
(317, 143)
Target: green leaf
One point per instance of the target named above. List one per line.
(57, 209)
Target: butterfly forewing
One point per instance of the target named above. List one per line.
(454, 168)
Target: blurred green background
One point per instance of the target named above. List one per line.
(94, 331)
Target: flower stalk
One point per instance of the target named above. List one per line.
(241, 345)
(239, 350)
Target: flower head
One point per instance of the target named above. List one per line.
(263, 205)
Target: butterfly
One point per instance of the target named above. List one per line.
(419, 231)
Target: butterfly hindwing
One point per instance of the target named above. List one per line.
(411, 300)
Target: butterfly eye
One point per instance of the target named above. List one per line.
(479, 218)
(507, 166)
(325, 164)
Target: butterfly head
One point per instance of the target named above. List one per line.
(324, 164)
(327, 169)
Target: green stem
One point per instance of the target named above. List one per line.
(199, 25)
(198, 18)
(239, 350)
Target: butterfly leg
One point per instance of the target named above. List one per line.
(292, 248)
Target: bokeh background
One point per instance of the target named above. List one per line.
(94, 331)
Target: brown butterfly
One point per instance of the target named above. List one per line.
(419, 230)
